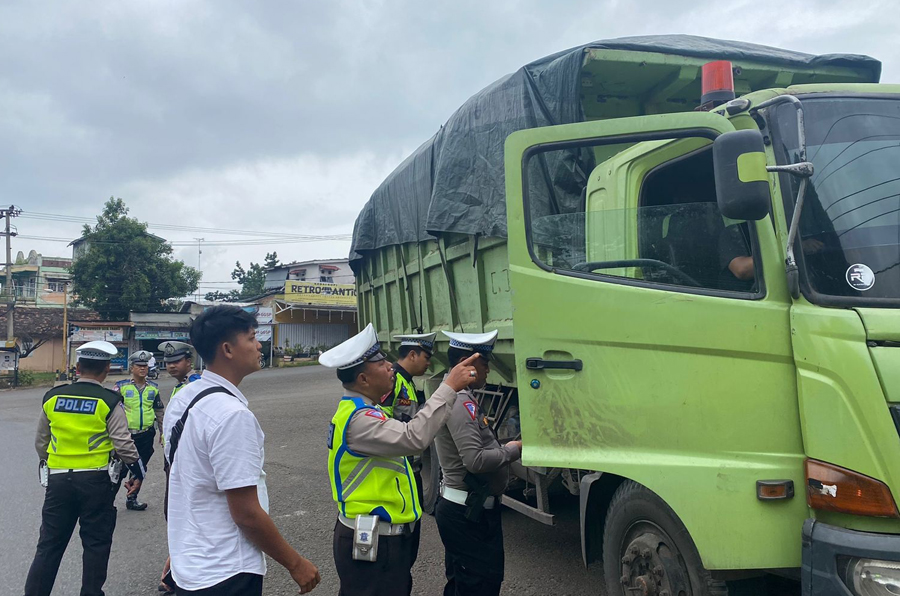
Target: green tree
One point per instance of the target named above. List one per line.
(126, 269)
(252, 280)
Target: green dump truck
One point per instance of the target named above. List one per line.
(697, 309)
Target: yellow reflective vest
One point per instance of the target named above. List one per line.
(140, 404)
(79, 438)
(364, 485)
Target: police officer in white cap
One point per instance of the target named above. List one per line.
(80, 426)
(473, 461)
(371, 479)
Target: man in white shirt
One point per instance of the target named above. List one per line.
(218, 520)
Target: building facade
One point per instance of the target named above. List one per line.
(39, 281)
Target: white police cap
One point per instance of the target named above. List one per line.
(96, 350)
(482, 343)
(422, 340)
(362, 347)
(173, 351)
(140, 357)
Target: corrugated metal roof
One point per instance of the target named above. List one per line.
(167, 319)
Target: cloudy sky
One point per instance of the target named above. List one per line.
(281, 118)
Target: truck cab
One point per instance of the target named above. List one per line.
(716, 387)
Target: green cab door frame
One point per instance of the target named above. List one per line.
(688, 393)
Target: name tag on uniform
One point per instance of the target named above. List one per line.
(75, 405)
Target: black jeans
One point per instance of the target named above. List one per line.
(473, 552)
(389, 575)
(242, 584)
(85, 497)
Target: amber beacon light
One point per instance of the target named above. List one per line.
(717, 84)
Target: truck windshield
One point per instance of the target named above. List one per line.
(850, 224)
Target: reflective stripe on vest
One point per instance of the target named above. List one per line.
(78, 435)
(139, 405)
(361, 485)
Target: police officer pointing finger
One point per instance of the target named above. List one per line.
(372, 482)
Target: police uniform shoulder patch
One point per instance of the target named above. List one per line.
(472, 408)
(193, 377)
(373, 413)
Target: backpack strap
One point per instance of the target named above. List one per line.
(178, 428)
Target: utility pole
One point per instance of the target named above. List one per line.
(9, 213)
(65, 343)
(199, 252)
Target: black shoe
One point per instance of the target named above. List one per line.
(132, 504)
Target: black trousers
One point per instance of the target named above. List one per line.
(144, 442)
(473, 552)
(389, 575)
(242, 584)
(85, 497)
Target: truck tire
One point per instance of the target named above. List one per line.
(647, 550)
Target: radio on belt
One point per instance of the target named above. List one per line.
(365, 538)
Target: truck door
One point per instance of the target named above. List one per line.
(652, 334)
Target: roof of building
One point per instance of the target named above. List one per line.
(311, 262)
(168, 319)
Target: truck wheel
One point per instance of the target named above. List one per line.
(647, 551)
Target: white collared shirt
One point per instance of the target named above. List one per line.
(220, 449)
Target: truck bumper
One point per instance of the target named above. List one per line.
(821, 571)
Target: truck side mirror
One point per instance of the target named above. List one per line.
(742, 182)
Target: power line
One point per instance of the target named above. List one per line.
(239, 242)
(182, 228)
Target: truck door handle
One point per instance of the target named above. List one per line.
(541, 364)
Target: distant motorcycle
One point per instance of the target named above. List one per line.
(153, 373)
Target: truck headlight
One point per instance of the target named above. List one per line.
(872, 577)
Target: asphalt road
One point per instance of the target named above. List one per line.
(294, 407)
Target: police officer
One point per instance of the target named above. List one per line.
(178, 358)
(79, 427)
(143, 407)
(371, 479)
(405, 400)
(473, 461)
(415, 358)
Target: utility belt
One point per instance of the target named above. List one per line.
(454, 495)
(113, 469)
(135, 433)
(67, 470)
(383, 529)
(367, 529)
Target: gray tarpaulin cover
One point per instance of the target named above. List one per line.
(454, 182)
